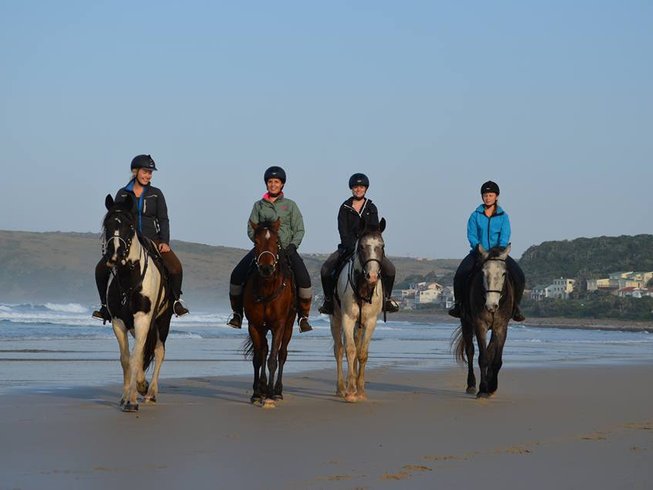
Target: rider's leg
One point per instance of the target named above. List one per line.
(175, 278)
(388, 273)
(102, 274)
(328, 282)
(460, 283)
(238, 278)
(304, 289)
(519, 280)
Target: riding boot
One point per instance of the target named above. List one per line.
(456, 310)
(236, 320)
(178, 307)
(102, 274)
(390, 305)
(304, 310)
(327, 306)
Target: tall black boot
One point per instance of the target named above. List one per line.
(236, 320)
(175, 290)
(102, 274)
(391, 305)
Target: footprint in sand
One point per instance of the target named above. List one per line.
(407, 471)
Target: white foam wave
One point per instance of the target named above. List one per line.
(66, 308)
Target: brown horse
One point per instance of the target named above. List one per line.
(488, 306)
(269, 303)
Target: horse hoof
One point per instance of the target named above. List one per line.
(471, 390)
(255, 399)
(130, 407)
(351, 398)
(483, 395)
(150, 399)
(269, 403)
(142, 388)
(278, 397)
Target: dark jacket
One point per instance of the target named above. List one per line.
(151, 212)
(349, 222)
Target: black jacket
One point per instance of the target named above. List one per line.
(151, 212)
(349, 222)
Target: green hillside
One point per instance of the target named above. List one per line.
(585, 258)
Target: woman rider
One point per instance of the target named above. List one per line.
(153, 223)
(274, 205)
(488, 226)
(351, 212)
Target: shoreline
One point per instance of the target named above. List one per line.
(584, 426)
(541, 322)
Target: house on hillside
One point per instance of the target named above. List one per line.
(560, 289)
(620, 280)
(631, 292)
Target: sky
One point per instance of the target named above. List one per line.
(550, 99)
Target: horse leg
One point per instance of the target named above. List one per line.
(363, 350)
(256, 362)
(159, 356)
(468, 339)
(137, 376)
(120, 331)
(481, 334)
(495, 354)
(336, 333)
(283, 355)
(273, 360)
(348, 325)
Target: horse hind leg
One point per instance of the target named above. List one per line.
(495, 354)
(159, 356)
(123, 343)
(338, 352)
(468, 340)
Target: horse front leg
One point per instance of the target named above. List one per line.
(363, 351)
(338, 351)
(283, 356)
(495, 354)
(348, 326)
(136, 375)
(120, 332)
(273, 361)
(481, 334)
(257, 362)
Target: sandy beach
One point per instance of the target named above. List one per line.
(577, 427)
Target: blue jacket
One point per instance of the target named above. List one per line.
(489, 232)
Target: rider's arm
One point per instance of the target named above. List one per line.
(347, 236)
(472, 232)
(162, 218)
(504, 236)
(253, 218)
(296, 226)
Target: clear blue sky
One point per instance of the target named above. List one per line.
(551, 99)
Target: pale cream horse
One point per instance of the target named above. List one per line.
(358, 303)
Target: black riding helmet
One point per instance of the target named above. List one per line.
(143, 161)
(275, 172)
(359, 179)
(490, 186)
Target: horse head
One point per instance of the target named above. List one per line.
(266, 246)
(371, 250)
(119, 227)
(494, 275)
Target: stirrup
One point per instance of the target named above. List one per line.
(455, 311)
(326, 308)
(102, 314)
(179, 309)
(236, 320)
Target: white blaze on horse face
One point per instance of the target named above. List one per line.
(494, 275)
(267, 234)
(371, 255)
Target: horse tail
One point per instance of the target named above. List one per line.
(150, 343)
(248, 348)
(458, 345)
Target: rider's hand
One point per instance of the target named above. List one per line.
(164, 247)
(291, 248)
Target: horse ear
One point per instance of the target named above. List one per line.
(382, 225)
(276, 225)
(504, 254)
(483, 252)
(108, 201)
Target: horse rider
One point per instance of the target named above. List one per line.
(351, 212)
(275, 205)
(152, 217)
(488, 226)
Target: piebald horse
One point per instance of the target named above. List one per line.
(137, 302)
(487, 306)
(359, 301)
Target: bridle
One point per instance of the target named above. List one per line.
(500, 292)
(127, 242)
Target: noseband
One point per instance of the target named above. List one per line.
(116, 235)
(275, 258)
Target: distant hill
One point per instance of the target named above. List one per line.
(585, 258)
(59, 267)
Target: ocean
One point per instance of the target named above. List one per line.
(45, 347)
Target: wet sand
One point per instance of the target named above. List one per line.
(578, 427)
